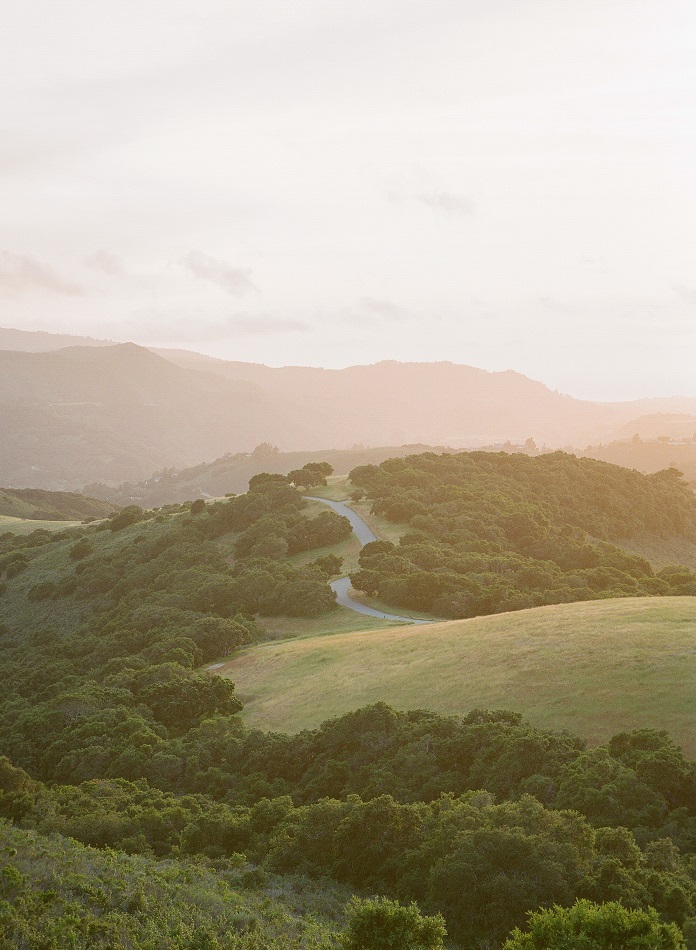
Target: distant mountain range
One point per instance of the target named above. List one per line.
(102, 412)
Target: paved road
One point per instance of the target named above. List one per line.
(341, 587)
(362, 531)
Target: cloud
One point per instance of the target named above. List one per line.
(686, 293)
(21, 274)
(233, 280)
(268, 325)
(449, 203)
(384, 309)
(105, 262)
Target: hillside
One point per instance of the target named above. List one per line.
(62, 894)
(594, 668)
(680, 426)
(491, 532)
(36, 504)
(648, 457)
(116, 413)
(231, 473)
(119, 413)
(117, 736)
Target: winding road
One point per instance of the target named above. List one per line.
(341, 587)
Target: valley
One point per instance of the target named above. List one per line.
(347, 476)
(184, 690)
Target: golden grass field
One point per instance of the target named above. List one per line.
(595, 668)
(26, 525)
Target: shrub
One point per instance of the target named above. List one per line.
(381, 924)
(596, 927)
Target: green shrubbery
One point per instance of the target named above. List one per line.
(113, 737)
(596, 927)
(497, 532)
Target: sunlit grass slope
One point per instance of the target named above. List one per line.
(595, 668)
(26, 525)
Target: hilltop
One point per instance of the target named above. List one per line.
(594, 668)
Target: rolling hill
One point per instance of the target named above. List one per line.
(117, 413)
(594, 668)
(231, 473)
(36, 504)
(648, 456)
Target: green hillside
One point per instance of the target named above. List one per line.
(116, 737)
(39, 505)
(492, 532)
(595, 668)
(26, 510)
(105, 899)
(231, 473)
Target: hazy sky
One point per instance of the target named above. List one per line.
(503, 183)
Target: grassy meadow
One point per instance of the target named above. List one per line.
(340, 620)
(27, 525)
(595, 668)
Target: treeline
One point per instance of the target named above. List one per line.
(231, 473)
(103, 628)
(498, 532)
(509, 817)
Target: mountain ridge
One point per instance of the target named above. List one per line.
(113, 413)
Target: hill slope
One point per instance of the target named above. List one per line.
(62, 894)
(595, 668)
(117, 413)
(231, 473)
(36, 504)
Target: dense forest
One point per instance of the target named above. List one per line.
(490, 532)
(147, 815)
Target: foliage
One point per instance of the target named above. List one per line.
(381, 924)
(498, 532)
(57, 894)
(596, 927)
(105, 629)
(116, 739)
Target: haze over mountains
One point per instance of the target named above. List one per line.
(103, 412)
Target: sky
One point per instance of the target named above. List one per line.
(508, 184)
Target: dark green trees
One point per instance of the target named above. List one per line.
(382, 924)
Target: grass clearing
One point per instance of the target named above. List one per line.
(340, 620)
(662, 551)
(27, 525)
(337, 488)
(594, 668)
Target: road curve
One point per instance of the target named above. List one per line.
(361, 530)
(341, 587)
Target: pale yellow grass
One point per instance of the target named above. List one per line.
(27, 525)
(594, 668)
